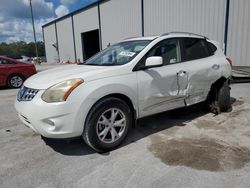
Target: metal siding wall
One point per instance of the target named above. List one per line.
(83, 22)
(65, 40)
(120, 19)
(206, 17)
(238, 33)
(50, 38)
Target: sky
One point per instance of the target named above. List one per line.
(15, 17)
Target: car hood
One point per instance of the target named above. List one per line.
(46, 79)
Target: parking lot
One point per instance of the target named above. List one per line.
(182, 148)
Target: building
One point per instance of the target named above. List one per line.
(84, 32)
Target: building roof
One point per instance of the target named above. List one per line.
(75, 12)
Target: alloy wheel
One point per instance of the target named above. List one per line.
(16, 81)
(111, 125)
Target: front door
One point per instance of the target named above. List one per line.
(162, 88)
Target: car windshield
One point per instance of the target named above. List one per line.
(118, 54)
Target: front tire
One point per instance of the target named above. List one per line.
(15, 81)
(107, 124)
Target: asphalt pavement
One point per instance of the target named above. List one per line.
(182, 148)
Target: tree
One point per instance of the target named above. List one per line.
(22, 48)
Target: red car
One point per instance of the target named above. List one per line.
(13, 72)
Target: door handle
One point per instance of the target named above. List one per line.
(181, 72)
(215, 66)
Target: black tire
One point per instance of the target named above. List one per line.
(90, 133)
(224, 97)
(15, 81)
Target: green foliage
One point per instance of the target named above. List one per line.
(22, 48)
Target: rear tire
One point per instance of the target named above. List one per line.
(224, 97)
(107, 124)
(218, 99)
(15, 81)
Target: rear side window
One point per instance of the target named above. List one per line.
(212, 48)
(195, 49)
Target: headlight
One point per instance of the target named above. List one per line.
(61, 91)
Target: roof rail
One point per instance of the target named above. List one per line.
(131, 37)
(188, 33)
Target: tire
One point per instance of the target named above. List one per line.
(15, 81)
(101, 127)
(224, 97)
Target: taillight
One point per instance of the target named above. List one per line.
(229, 61)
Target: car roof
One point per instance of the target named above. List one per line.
(183, 34)
(170, 35)
(141, 38)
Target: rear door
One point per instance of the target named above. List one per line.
(200, 67)
(158, 88)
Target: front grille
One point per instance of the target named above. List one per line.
(26, 94)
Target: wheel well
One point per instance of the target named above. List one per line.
(126, 100)
(14, 74)
(213, 93)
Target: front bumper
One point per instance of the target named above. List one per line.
(53, 120)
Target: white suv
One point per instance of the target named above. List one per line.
(101, 98)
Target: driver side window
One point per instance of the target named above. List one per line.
(5, 62)
(169, 50)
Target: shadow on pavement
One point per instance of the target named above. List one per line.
(145, 127)
(163, 121)
(72, 147)
(4, 88)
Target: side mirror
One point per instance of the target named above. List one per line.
(154, 61)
